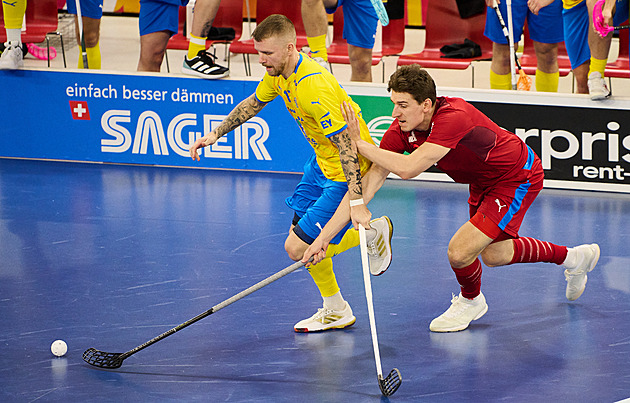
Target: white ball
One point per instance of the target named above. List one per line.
(59, 348)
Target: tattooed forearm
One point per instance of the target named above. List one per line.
(244, 111)
(349, 163)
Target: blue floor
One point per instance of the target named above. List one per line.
(111, 256)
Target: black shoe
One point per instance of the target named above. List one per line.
(203, 65)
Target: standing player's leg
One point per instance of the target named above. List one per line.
(91, 12)
(316, 27)
(575, 25)
(500, 68)
(546, 31)
(198, 62)
(158, 22)
(359, 29)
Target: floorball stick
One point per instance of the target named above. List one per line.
(524, 82)
(381, 12)
(82, 34)
(390, 384)
(511, 42)
(114, 360)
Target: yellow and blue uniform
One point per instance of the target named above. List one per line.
(159, 15)
(89, 8)
(314, 97)
(546, 27)
(359, 22)
(576, 27)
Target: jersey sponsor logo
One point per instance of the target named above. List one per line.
(498, 202)
(245, 142)
(325, 123)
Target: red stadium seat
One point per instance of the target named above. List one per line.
(265, 8)
(444, 26)
(41, 21)
(620, 68)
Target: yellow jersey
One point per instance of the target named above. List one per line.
(314, 97)
(567, 4)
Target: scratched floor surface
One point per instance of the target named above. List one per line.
(111, 256)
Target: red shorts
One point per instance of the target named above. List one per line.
(499, 211)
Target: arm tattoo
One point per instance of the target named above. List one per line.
(244, 111)
(349, 162)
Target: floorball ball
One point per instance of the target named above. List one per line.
(59, 348)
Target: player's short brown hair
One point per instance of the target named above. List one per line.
(275, 25)
(415, 81)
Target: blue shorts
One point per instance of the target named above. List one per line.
(546, 27)
(89, 8)
(314, 202)
(359, 22)
(157, 16)
(575, 21)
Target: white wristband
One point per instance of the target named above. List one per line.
(356, 202)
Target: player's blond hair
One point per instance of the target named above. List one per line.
(415, 81)
(276, 25)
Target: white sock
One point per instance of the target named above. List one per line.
(14, 36)
(335, 302)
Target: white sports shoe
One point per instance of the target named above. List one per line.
(379, 245)
(12, 57)
(326, 319)
(461, 312)
(576, 277)
(597, 86)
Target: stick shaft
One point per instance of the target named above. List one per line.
(81, 34)
(511, 42)
(505, 32)
(370, 302)
(217, 307)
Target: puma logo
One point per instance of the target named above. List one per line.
(319, 225)
(499, 204)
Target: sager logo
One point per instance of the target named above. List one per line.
(180, 132)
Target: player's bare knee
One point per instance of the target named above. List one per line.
(295, 252)
(457, 257)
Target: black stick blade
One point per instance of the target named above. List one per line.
(391, 383)
(102, 359)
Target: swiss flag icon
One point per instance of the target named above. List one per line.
(79, 110)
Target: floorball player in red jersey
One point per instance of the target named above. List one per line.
(504, 175)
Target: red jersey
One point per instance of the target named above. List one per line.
(482, 153)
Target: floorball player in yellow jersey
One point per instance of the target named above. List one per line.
(314, 98)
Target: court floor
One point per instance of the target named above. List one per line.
(111, 256)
